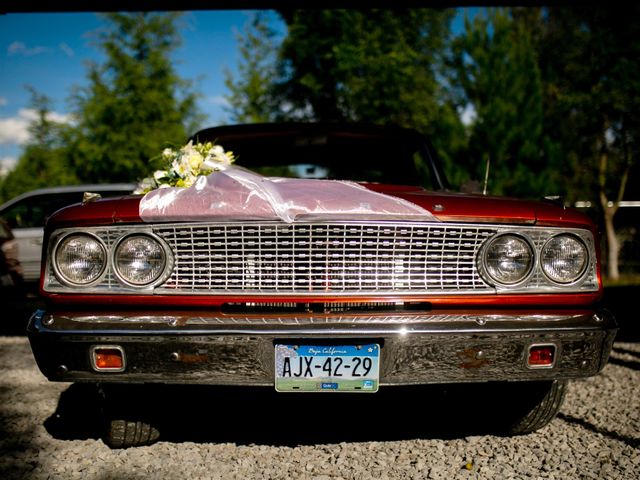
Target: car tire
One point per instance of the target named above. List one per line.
(538, 404)
(128, 419)
(129, 433)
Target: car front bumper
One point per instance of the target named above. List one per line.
(197, 347)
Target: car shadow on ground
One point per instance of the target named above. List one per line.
(249, 415)
(17, 308)
(622, 302)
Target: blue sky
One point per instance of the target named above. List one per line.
(49, 51)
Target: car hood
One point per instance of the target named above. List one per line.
(463, 207)
(445, 206)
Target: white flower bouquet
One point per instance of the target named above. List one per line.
(185, 165)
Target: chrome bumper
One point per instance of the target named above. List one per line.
(417, 348)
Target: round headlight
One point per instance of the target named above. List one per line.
(508, 259)
(80, 259)
(564, 258)
(139, 260)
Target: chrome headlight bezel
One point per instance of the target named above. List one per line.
(166, 258)
(585, 263)
(62, 277)
(538, 281)
(485, 269)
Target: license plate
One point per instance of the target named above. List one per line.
(327, 368)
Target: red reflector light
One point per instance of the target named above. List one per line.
(108, 359)
(541, 355)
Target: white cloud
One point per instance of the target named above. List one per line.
(218, 100)
(7, 164)
(15, 130)
(3, 101)
(68, 51)
(59, 117)
(468, 115)
(19, 48)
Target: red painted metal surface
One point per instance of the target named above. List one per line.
(195, 312)
(107, 211)
(448, 207)
(450, 301)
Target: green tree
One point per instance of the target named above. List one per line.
(44, 160)
(250, 100)
(135, 104)
(377, 66)
(497, 76)
(591, 64)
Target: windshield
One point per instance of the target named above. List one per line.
(377, 156)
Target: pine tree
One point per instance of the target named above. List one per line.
(135, 104)
(44, 160)
(375, 66)
(497, 72)
(250, 100)
(591, 64)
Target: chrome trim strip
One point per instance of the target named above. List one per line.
(298, 320)
(419, 355)
(356, 325)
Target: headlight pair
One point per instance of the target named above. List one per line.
(510, 259)
(137, 260)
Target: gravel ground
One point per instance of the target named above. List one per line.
(44, 434)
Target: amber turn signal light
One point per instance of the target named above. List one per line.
(107, 358)
(541, 356)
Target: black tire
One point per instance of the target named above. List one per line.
(129, 419)
(126, 433)
(539, 403)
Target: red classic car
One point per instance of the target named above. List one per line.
(474, 289)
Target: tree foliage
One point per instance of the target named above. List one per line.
(495, 68)
(591, 60)
(44, 160)
(250, 99)
(554, 91)
(376, 66)
(135, 104)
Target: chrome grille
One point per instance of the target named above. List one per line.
(323, 258)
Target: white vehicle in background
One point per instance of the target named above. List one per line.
(10, 268)
(26, 214)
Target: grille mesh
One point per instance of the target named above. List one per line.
(323, 258)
